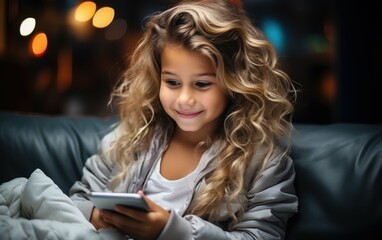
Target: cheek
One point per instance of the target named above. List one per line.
(218, 103)
(164, 97)
(161, 97)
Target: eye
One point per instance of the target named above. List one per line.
(172, 83)
(202, 84)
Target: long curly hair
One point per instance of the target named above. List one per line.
(260, 95)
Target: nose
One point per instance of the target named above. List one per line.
(186, 96)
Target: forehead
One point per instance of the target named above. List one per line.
(175, 57)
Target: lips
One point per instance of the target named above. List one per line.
(188, 114)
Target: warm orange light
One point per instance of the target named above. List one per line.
(85, 11)
(103, 17)
(81, 30)
(39, 44)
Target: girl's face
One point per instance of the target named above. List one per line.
(189, 91)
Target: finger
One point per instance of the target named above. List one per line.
(105, 224)
(122, 222)
(98, 221)
(152, 205)
(131, 213)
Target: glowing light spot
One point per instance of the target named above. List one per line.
(39, 44)
(103, 17)
(27, 26)
(274, 32)
(85, 11)
(80, 30)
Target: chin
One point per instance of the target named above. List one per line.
(188, 128)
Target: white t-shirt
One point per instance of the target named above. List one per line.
(171, 194)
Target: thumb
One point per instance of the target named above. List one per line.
(152, 205)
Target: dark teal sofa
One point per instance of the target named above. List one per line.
(338, 168)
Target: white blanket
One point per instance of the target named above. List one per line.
(36, 208)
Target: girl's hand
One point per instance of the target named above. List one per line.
(138, 224)
(97, 220)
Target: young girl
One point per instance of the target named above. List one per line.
(203, 132)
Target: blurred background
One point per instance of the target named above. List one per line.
(64, 57)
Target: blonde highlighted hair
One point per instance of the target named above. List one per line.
(260, 95)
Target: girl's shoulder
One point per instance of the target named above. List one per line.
(264, 158)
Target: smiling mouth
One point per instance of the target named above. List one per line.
(188, 115)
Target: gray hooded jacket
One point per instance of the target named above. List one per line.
(271, 197)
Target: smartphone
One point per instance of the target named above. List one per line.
(108, 200)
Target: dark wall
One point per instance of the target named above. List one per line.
(331, 49)
(359, 62)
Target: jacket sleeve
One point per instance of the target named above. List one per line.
(271, 202)
(96, 174)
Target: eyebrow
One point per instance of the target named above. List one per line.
(198, 75)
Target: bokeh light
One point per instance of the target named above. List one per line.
(39, 44)
(103, 17)
(275, 34)
(27, 26)
(79, 30)
(85, 11)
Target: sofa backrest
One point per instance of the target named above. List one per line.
(338, 168)
(58, 146)
(338, 182)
